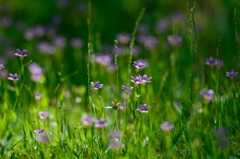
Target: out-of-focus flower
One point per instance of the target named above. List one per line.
(162, 25)
(126, 95)
(231, 74)
(76, 43)
(59, 42)
(140, 64)
(88, 121)
(167, 125)
(220, 63)
(96, 85)
(1, 67)
(143, 29)
(211, 61)
(122, 106)
(62, 3)
(223, 144)
(174, 40)
(43, 115)
(145, 79)
(45, 48)
(149, 42)
(103, 59)
(39, 132)
(5, 22)
(123, 38)
(114, 140)
(38, 95)
(221, 132)
(178, 17)
(207, 95)
(13, 77)
(36, 72)
(21, 54)
(100, 123)
(126, 88)
(143, 108)
(41, 137)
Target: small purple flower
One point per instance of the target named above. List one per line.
(179, 104)
(167, 125)
(114, 140)
(162, 25)
(123, 38)
(221, 132)
(207, 95)
(97, 85)
(231, 74)
(45, 48)
(145, 79)
(41, 137)
(143, 108)
(126, 95)
(211, 61)
(36, 72)
(220, 63)
(174, 40)
(136, 80)
(39, 132)
(21, 54)
(13, 77)
(223, 144)
(43, 115)
(59, 42)
(88, 121)
(1, 66)
(38, 95)
(103, 59)
(100, 123)
(122, 106)
(140, 64)
(126, 88)
(149, 42)
(76, 43)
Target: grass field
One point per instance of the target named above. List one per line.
(119, 79)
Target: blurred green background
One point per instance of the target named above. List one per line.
(21, 22)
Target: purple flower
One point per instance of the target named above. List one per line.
(221, 132)
(231, 74)
(100, 123)
(114, 140)
(123, 38)
(143, 108)
(145, 79)
(211, 61)
(220, 63)
(122, 106)
(88, 121)
(43, 115)
(223, 144)
(126, 88)
(174, 40)
(1, 66)
(76, 43)
(141, 79)
(41, 137)
(59, 42)
(39, 132)
(207, 95)
(103, 59)
(21, 54)
(140, 64)
(126, 95)
(167, 125)
(97, 85)
(36, 72)
(38, 95)
(13, 77)
(45, 48)
(162, 25)
(149, 42)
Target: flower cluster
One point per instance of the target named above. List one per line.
(141, 79)
(89, 120)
